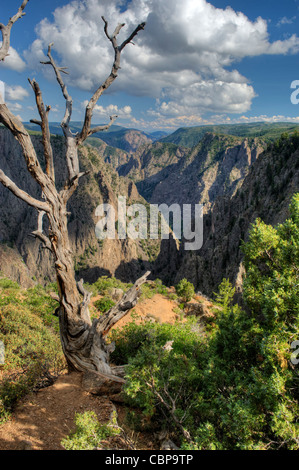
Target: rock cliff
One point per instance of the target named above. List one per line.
(126, 259)
(217, 165)
(265, 193)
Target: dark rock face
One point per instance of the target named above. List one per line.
(166, 173)
(234, 179)
(13, 267)
(128, 140)
(265, 193)
(92, 257)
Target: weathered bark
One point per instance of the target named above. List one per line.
(5, 30)
(101, 384)
(83, 342)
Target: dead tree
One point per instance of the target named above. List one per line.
(83, 341)
(5, 30)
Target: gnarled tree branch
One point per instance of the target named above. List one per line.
(86, 132)
(5, 30)
(69, 101)
(86, 294)
(31, 201)
(17, 128)
(128, 301)
(103, 128)
(72, 159)
(44, 123)
(73, 142)
(140, 27)
(39, 232)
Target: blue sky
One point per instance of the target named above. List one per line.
(197, 62)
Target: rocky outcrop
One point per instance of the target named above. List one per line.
(13, 267)
(150, 159)
(216, 166)
(126, 259)
(128, 140)
(115, 156)
(266, 193)
(166, 173)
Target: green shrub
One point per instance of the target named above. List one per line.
(185, 290)
(8, 284)
(33, 354)
(172, 296)
(150, 289)
(160, 288)
(163, 362)
(104, 304)
(225, 294)
(236, 388)
(105, 283)
(89, 432)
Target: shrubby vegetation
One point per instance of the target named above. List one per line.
(89, 433)
(29, 331)
(104, 304)
(232, 386)
(104, 285)
(286, 142)
(149, 289)
(185, 290)
(235, 389)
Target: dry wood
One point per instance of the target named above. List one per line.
(44, 123)
(83, 342)
(5, 30)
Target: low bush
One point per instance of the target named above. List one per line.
(237, 387)
(163, 372)
(104, 304)
(89, 433)
(149, 289)
(185, 290)
(105, 283)
(33, 354)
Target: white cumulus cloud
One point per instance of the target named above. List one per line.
(184, 58)
(16, 93)
(13, 61)
(111, 110)
(14, 107)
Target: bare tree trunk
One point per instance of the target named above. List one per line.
(83, 341)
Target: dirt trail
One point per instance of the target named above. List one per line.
(42, 419)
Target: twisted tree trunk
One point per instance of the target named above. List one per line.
(83, 341)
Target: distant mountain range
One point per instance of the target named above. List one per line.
(190, 136)
(116, 136)
(130, 140)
